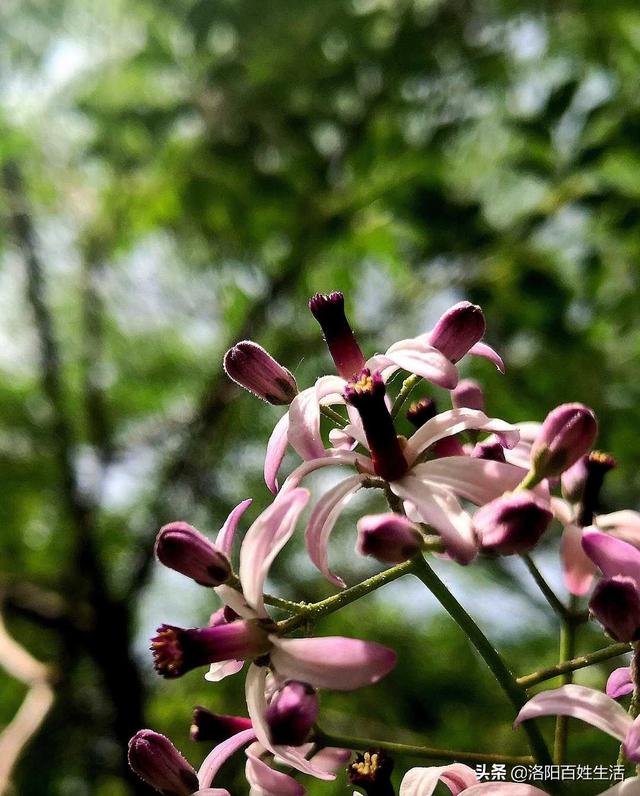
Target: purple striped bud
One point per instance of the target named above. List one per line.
(292, 713)
(567, 433)
(176, 650)
(616, 605)
(213, 727)
(181, 547)
(156, 761)
(371, 771)
(468, 394)
(512, 523)
(493, 451)
(582, 483)
(367, 395)
(458, 330)
(389, 537)
(253, 368)
(421, 412)
(328, 310)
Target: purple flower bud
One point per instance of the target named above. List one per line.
(328, 310)
(176, 650)
(421, 412)
(372, 771)
(616, 605)
(493, 451)
(181, 547)
(156, 760)
(468, 394)
(367, 395)
(567, 433)
(582, 483)
(388, 537)
(292, 713)
(447, 446)
(512, 523)
(253, 368)
(213, 727)
(458, 330)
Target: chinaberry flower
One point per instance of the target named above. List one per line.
(512, 523)
(253, 368)
(566, 434)
(459, 779)
(181, 547)
(291, 713)
(390, 537)
(156, 760)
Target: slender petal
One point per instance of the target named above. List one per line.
(220, 754)
(304, 425)
(226, 534)
(422, 781)
(579, 569)
(484, 350)
(212, 792)
(504, 789)
(424, 360)
(630, 787)
(623, 525)
(631, 744)
(265, 780)
(582, 703)
(619, 683)
(264, 540)
(440, 509)
(454, 421)
(218, 671)
(257, 706)
(331, 758)
(335, 662)
(322, 521)
(333, 458)
(276, 448)
(613, 556)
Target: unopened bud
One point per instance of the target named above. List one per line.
(512, 523)
(567, 433)
(493, 451)
(616, 605)
(253, 368)
(389, 537)
(458, 330)
(328, 310)
(214, 727)
(156, 760)
(181, 547)
(468, 394)
(292, 713)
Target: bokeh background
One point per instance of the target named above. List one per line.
(180, 175)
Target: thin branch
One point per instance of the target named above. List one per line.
(604, 654)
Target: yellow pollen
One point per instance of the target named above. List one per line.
(365, 384)
(600, 457)
(368, 766)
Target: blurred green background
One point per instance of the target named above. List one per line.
(180, 175)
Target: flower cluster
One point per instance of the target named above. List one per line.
(460, 485)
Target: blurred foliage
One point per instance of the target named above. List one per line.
(192, 171)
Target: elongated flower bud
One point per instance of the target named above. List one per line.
(468, 394)
(156, 760)
(616, 605)
(328, 310)
(253, 368)
(181, 547)
(389, 537)
(458, 330)
(176, 650)
(214, 727)
(489, 450)
(582, 483)
(367, 395)
(512, 523)
(421, 411)
(292, 713)
(372, 771)
(567, 433)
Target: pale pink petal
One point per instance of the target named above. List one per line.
(235, 600)
(484, 350)
(504, 789)
(578, 568)
(341, 439)
(613, 556)
(582, 703)
(562, 510)
(631, 744)
(623, 525)
(257, 707)
(276, 448)
(331, 758)
(619, 683)
(321, 523)
(333, 458)
(454, 421)
(226, 534)
(442, 511)
(630, 787)
(218, 671)
(304, 425)
(335, 662)
(424, 360)
(266, 780)
(220, 754)
(264, 540)
(477, 480)
(211, 792)
(422, 781)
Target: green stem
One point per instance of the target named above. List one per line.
(286, 605)
(427, 753)
(327, 411)
(407, 386)
(604, 654)
(516, 694)
(566, 652)
(530, 480)
(314, 611)
(546, 590)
